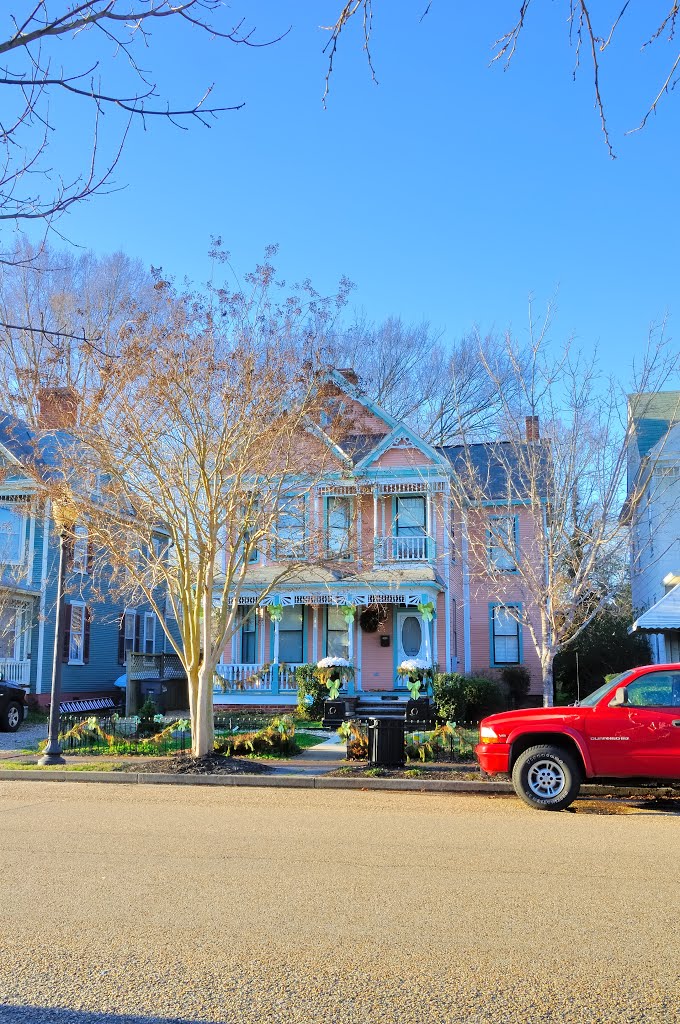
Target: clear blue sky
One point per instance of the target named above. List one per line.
(450, 191)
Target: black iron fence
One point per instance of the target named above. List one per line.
(85, 733)
(446, 742)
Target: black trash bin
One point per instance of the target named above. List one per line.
(386, 743)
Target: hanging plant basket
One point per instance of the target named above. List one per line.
(372, 617)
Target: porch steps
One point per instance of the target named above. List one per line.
(383, 705)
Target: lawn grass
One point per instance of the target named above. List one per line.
(99, 766)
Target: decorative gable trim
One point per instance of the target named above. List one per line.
(402, 437)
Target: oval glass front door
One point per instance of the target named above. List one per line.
(411, 636)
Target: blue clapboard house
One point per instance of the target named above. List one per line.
(99, 633)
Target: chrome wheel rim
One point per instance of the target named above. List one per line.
(546, 779)
(13, 717)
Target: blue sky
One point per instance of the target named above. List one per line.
(449, 192)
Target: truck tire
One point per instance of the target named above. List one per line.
(547, 778)
(12, 717)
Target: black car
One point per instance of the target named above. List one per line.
(13, 707)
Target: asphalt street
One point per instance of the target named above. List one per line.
(170, 904)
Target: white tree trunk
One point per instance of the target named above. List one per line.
(203, 727)
(547, 660)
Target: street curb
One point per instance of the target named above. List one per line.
(265, 781)
(311, 782)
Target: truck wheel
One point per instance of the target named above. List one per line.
(12, 717)
(547, 778)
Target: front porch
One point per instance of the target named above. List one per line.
(374, 629)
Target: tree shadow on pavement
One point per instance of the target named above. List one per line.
(23, 1014)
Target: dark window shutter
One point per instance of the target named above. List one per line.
(90, 557)
(138, 632)
(86, 637)
(69, 545)
(121, 639)
(67, 633)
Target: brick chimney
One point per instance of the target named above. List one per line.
(58, 408)
(348, 373)
(532, 431)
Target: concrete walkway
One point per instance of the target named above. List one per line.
(318, 760)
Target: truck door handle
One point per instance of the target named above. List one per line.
(676, 722)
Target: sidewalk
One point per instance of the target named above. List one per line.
(319, 760)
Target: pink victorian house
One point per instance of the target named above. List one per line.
(397, 583)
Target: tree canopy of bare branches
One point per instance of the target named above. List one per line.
(195, 436)
(591, 33)
(555, 498)
(92, 53)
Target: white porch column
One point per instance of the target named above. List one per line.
(466, 593)
(315, 633)
(375, 523)
(428, 522)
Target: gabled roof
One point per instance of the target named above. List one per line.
(652, 415)
(663, 615)
(491, 460)
(401, 431)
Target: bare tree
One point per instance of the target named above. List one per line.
(439, 388)
(591, 32)
(58, 311)
(193, 452)
(92, 53)
(542, 515)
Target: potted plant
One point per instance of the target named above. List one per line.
(333, 672)
(417, 672)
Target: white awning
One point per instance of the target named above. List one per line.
(663, 615)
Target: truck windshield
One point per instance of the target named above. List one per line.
(591, 700)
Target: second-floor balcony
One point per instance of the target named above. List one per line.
(396, 548)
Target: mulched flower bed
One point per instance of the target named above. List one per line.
(213, 764)
(456, 772)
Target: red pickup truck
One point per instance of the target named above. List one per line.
(628, 728)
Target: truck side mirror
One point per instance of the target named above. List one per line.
(620, 697)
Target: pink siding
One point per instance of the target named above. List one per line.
(404, 458)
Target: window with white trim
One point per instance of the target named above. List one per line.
(505, 636)
(12, 531)
(76, 648)
(149, 633)
(8, 633)
(81, 540)
(503, 543)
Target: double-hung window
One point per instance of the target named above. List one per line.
(338, 520)
(290, 634)
(249, 640)
(149, 633)
(337, 641)
(81, 539)
(290, 530)
(505, 635)
(12, 528)
(76, 634)
(503, 543)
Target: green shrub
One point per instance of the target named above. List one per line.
(517, 680)
(310, 686)
(275, 740)
(462, 698)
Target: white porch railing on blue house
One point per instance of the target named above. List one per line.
(18, 672)
(245, 678)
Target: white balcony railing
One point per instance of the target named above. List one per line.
(18, 672)
(241, 678)
(403, 549)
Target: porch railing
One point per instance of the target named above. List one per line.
(403, 549)
(18, 672)
(243, 678)
(153, 666)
